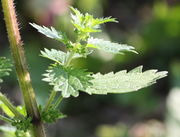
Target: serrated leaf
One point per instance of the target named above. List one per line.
(67, 80)
(99, 21)
(57, 55)
(86, 23)
(5, 67)
(123, 81)
(51, 33)
(108, 46)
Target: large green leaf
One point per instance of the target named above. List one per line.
(5, 67)
(108, 46)
(67, 80)
(123, 81)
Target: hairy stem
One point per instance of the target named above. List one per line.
(21, 67)
(11, 107)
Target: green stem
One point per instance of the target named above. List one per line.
(50, 100)
(58, 101)
(5, 119)
(16, 46)
(70, 57)
(11, 107)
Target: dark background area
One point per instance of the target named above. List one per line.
(151, 26)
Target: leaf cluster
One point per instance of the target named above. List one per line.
(16, 116)
(86, 23)
(52, 115)
(22, 125)
(71, 80)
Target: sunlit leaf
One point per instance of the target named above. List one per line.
(57, 55)
(86, 23)
(108, 46)
(123, 81)
(51, 33)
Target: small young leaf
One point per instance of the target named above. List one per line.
(5, 67)
(52, 115)
(67, 80)
(51, 33)
(108, 46)
(122, 82)
(87, 23)
(99, 21)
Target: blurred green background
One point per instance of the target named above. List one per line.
(151, 26)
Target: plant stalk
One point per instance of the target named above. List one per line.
(5, 119)
(69, 58)
(58, 101)
(50, 100)
(16, 46)
(11, 107)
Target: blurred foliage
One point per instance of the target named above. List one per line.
(160, 35)
(118, 130)
(151, 128)
(175, 71)
(172, 115)
(9, 131)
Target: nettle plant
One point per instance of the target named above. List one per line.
(64, 79)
